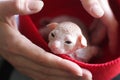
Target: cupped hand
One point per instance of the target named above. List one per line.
(27, 57)
(101, 9)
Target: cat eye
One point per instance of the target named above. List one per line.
(52, 35)
(68, 42)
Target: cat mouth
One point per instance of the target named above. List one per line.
(57, 51)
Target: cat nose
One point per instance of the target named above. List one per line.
(56, 44)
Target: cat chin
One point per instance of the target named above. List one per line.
(57, 51)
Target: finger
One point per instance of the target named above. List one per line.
(93, 8)
(40, 72)
(97, 32)
(26, 48)
(11, 7)
(17, 61)
(41, 76)
(111, 23)
(87, 75)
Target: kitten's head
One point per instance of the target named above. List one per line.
(65, 38)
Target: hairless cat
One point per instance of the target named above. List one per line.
(67, 35)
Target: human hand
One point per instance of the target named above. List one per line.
(101, 9)
(27, 57)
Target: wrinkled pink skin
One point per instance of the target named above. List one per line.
(73, 35)
(67, 38)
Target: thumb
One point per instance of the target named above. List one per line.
(12, 7)
(93, 7)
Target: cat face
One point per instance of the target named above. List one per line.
(61, 43)
(65, 38)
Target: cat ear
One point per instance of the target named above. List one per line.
(52, 25)
(82, 41)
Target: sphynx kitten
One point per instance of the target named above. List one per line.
(68, 36)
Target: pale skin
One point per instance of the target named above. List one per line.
(25, 56)
(101, 9)
(24, 52)
(67, 38)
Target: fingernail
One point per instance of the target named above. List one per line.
(97, 11)
(35, 5)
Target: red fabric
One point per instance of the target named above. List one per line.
(109, 66)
